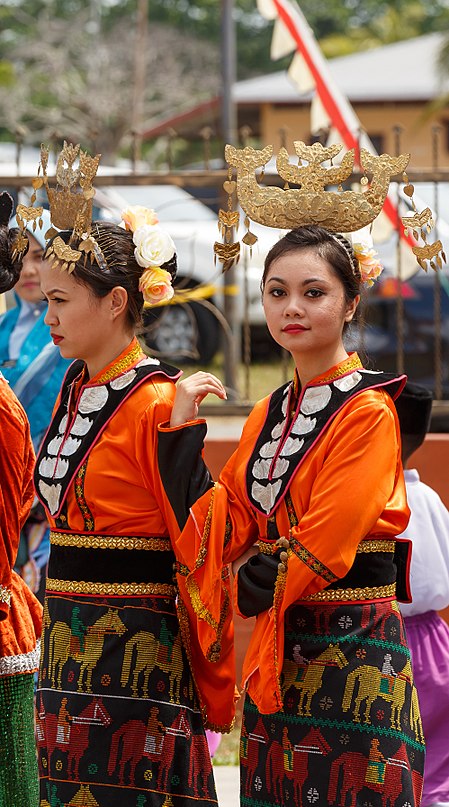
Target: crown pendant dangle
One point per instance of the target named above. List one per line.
(228, 252)
(420, 225)
(70, 202)
(249, 238)
(28, 216)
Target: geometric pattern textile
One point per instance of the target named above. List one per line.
(350, 732)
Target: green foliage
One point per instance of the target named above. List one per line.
(7, 74)
(87, 47)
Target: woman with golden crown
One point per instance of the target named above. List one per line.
(118, 720)
(306, 512)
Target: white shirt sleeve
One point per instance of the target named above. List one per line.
(428, 529)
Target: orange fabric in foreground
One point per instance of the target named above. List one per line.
(20, 622)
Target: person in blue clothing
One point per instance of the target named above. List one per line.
(34, 368)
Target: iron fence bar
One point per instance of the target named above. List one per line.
(438, 367)
(399, 295)
(246, 330)
(200, 178)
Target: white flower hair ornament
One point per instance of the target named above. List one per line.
(153, 248)
(370, 267)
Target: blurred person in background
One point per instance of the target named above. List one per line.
(427, 632)
(34, 368)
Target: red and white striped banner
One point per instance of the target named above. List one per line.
(310, 71)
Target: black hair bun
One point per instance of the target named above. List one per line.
(9, 269)
(171, 266)
(6, 208)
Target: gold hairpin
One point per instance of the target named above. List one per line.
(228, 221)
(62, 255)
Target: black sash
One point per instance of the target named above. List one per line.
(283, 443)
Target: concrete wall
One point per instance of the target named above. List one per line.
(431, 460)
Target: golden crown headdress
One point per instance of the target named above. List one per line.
(70, 203)
(309, 202)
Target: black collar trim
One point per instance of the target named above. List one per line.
(284, 443)
(68, 442)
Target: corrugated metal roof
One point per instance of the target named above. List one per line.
(402, 71)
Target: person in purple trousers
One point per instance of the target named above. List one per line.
(427, 632)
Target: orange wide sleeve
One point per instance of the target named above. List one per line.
(215, 683)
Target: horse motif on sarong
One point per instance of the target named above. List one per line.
(71, 733)
(61, 647)
(307, 680)
(366, 683)
(351, 772)
(134, 741)
(143, 654)
(292, 763)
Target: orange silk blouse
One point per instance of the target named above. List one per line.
(349, 487)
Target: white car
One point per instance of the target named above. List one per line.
(192, 330)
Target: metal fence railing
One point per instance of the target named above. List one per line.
(407, 316)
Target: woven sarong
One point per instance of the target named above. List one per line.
(350, 732)
(118, 724)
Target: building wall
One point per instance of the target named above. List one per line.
(293, 122)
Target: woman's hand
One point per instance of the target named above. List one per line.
(190, 392)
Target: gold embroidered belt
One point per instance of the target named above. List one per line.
(364, 547)
(111, 589)
(93, 541)
(353, 594)
(111, 565)
(372, 576)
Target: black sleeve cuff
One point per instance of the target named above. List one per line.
(184, 473)
(256, 580)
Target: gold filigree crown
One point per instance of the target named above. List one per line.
(310, 202)
(70, 203)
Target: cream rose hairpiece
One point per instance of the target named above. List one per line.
(153, 248)
(370, 266)
(363, 258)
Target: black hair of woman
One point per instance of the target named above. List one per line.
(10, 267)
(117, 246)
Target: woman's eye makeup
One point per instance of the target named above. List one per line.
(314, 292)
